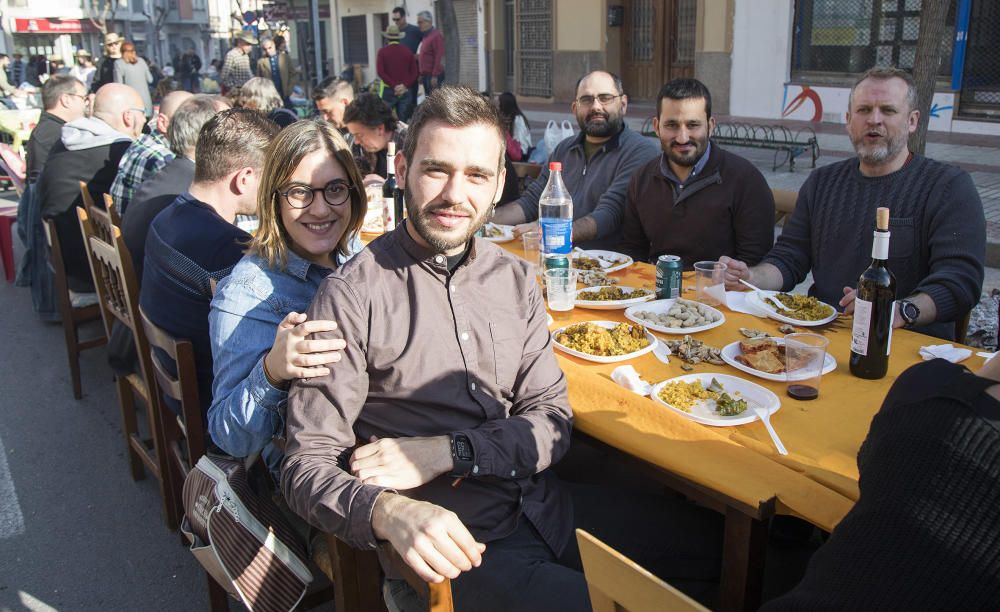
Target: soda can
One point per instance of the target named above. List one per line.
(668, 277)
(556, 261)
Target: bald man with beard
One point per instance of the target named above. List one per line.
(147, 155)
(89, 150)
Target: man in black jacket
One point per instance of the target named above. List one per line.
(106, 67)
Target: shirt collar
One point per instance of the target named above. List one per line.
(698, 167)
(299, 267)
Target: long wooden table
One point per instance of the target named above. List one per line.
(736, 470)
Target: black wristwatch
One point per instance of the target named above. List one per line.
(910, 313)
(462, 455)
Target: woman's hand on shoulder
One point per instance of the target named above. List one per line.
(293, 355)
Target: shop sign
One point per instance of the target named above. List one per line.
(53, 25)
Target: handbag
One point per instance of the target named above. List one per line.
(241, 537)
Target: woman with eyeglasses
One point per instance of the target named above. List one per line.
(310, 204)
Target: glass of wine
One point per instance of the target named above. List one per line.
(805, 355)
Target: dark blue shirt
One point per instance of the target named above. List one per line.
(188, 246)
(276, 75)
(412, 37)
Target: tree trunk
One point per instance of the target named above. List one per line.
(927, 63)
(452, 42)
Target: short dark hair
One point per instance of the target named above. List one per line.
(884, 73)
(614, 77)
(329, 87)
(371, 111)
(56, 86)
(400, 10)
(187, 121)
(685, 89)
(456, 106)
(232, 139)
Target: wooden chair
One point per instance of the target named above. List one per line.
(73, 316)
(525, 174)
(784, 204)
(616, 582)
(357, 577)
(118, 291)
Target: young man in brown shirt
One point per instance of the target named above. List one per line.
(436, 430)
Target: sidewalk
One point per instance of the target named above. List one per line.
(977, 154)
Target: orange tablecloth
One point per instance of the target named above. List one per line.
(817, 480)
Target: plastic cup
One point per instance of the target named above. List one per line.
(560, 284)
(532, 249)
(710, 282)
(805, 355)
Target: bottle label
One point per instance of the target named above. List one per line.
(388, 214)
(557, 235)
(862, 326)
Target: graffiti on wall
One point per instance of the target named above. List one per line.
(806, 103)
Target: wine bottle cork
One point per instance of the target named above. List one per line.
(392, 151)
(882, 219)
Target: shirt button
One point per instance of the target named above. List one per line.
(472, 386)
(439, 259)
(465, 336)
(513, 473)
(453, 288)
(475, 469)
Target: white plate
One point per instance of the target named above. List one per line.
(611, 304)
(614, 359)
(662, 307)
(772, 311)
(730, 351)
(610, 255)
(703, 412)
(507, 236)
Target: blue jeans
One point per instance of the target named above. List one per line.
(403, 105)
(426, 80)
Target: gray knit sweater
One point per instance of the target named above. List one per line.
(937, 244)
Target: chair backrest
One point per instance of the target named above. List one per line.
(14, 166)
(784, 203)
(616, 582)
(182, 388)
(96, 270)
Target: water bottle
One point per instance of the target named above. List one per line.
(555, 214)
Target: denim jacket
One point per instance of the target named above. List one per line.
(247, 411)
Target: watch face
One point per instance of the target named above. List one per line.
(463, 449)
(910, 311)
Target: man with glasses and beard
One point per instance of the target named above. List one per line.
(938, 244)
(696, 200)
(597, 166)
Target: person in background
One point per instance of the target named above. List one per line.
(277, 67)
(923, 534)
(7, 90)
(597, 166)
(938, 246)
(133, 71)
(188, 71)
(88, 151)
(397, 69)
(194, 242)
(260, 94)
(105, 70)
(411, 40)
(18, 70)
(331, 98)
(261, 341)
(147, 155)
(695, 200)
(373, 127)
(431, 55)
(516, 124)
(235, 70)
(65, 100)
(84, 68)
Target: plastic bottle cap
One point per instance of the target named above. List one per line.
(555, 166)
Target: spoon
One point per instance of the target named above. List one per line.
(765, 417)
(764, 296)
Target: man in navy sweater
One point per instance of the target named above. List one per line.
(937, 247)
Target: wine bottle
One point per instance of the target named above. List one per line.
(389, 213)
(874, 309)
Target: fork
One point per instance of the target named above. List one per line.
(765, 296)
(765, 418)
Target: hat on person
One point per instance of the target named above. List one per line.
(83, 52)
(113, 37)
(392, 32)
(55, 57)
(246, 37)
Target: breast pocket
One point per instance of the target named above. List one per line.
(508, 346)
(902, 237)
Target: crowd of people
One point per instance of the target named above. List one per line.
(406, 391)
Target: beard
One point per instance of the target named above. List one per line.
(878, 153)
(686, 159)
(443, 240)
(600, 129)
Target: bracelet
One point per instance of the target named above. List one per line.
(282, 385)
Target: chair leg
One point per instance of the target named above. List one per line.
(73, 352)
(171, 482)
(129, 426)
(218, 599)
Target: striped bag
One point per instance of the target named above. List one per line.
(242, 539)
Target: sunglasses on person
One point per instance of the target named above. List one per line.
(335, 193)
